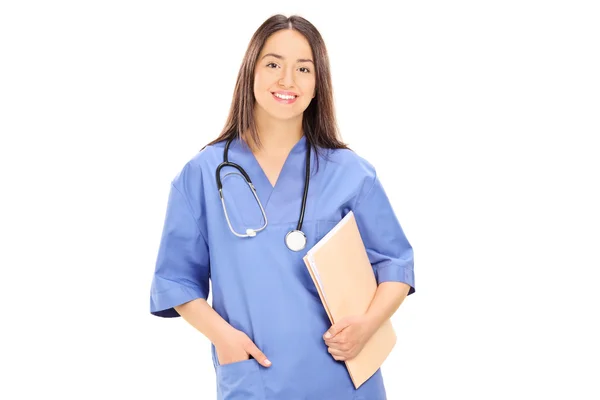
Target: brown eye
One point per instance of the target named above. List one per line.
(271, 63)
(307, 70)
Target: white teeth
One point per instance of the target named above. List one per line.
(284, 97)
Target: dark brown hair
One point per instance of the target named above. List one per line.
(318, 122)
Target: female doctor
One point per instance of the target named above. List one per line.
(270, 335)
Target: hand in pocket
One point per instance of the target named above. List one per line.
(236, 347)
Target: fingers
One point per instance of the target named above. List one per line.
(337, 354)
(257, 354)
(339, 345)
(339, 338)
(336, 328)
(342, 354)
(339, 348)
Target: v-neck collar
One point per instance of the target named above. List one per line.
(263, 185)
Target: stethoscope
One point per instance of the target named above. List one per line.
(295, 240)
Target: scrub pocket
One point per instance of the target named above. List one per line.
(323, 228)
(240, 381)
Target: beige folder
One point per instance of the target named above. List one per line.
(344, 278)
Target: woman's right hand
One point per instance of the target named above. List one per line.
(236, 346)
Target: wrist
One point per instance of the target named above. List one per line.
(374, 320)
(222, 334)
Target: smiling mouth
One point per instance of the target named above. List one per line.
(284, 99)
(284, 96)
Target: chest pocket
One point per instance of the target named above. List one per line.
(324, 227)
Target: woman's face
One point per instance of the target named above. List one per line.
(284, 77)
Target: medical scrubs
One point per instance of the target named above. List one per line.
(260, 286)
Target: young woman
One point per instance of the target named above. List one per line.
(270, 335)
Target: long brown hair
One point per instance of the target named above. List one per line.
(318, 122)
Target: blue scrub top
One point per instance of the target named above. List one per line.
(260, 286)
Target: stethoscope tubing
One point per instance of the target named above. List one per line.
(227, 163)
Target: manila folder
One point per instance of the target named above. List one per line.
(344, 278)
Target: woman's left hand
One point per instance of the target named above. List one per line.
(346, 338)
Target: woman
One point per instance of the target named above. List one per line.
(270, 335)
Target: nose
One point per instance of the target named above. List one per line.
(287, 78)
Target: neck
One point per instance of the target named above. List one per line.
(276, 135)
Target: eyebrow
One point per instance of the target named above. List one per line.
(283, 58)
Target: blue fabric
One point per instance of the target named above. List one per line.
(260, 286)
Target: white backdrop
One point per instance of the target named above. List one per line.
(479, 117)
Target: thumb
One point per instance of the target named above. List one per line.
(258, 355)
(336, 328)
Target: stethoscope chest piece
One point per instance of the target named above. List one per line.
(295, 240)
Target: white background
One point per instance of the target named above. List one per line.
(479, 116)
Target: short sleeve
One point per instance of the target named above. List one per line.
(388, 249)
(182, 265)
